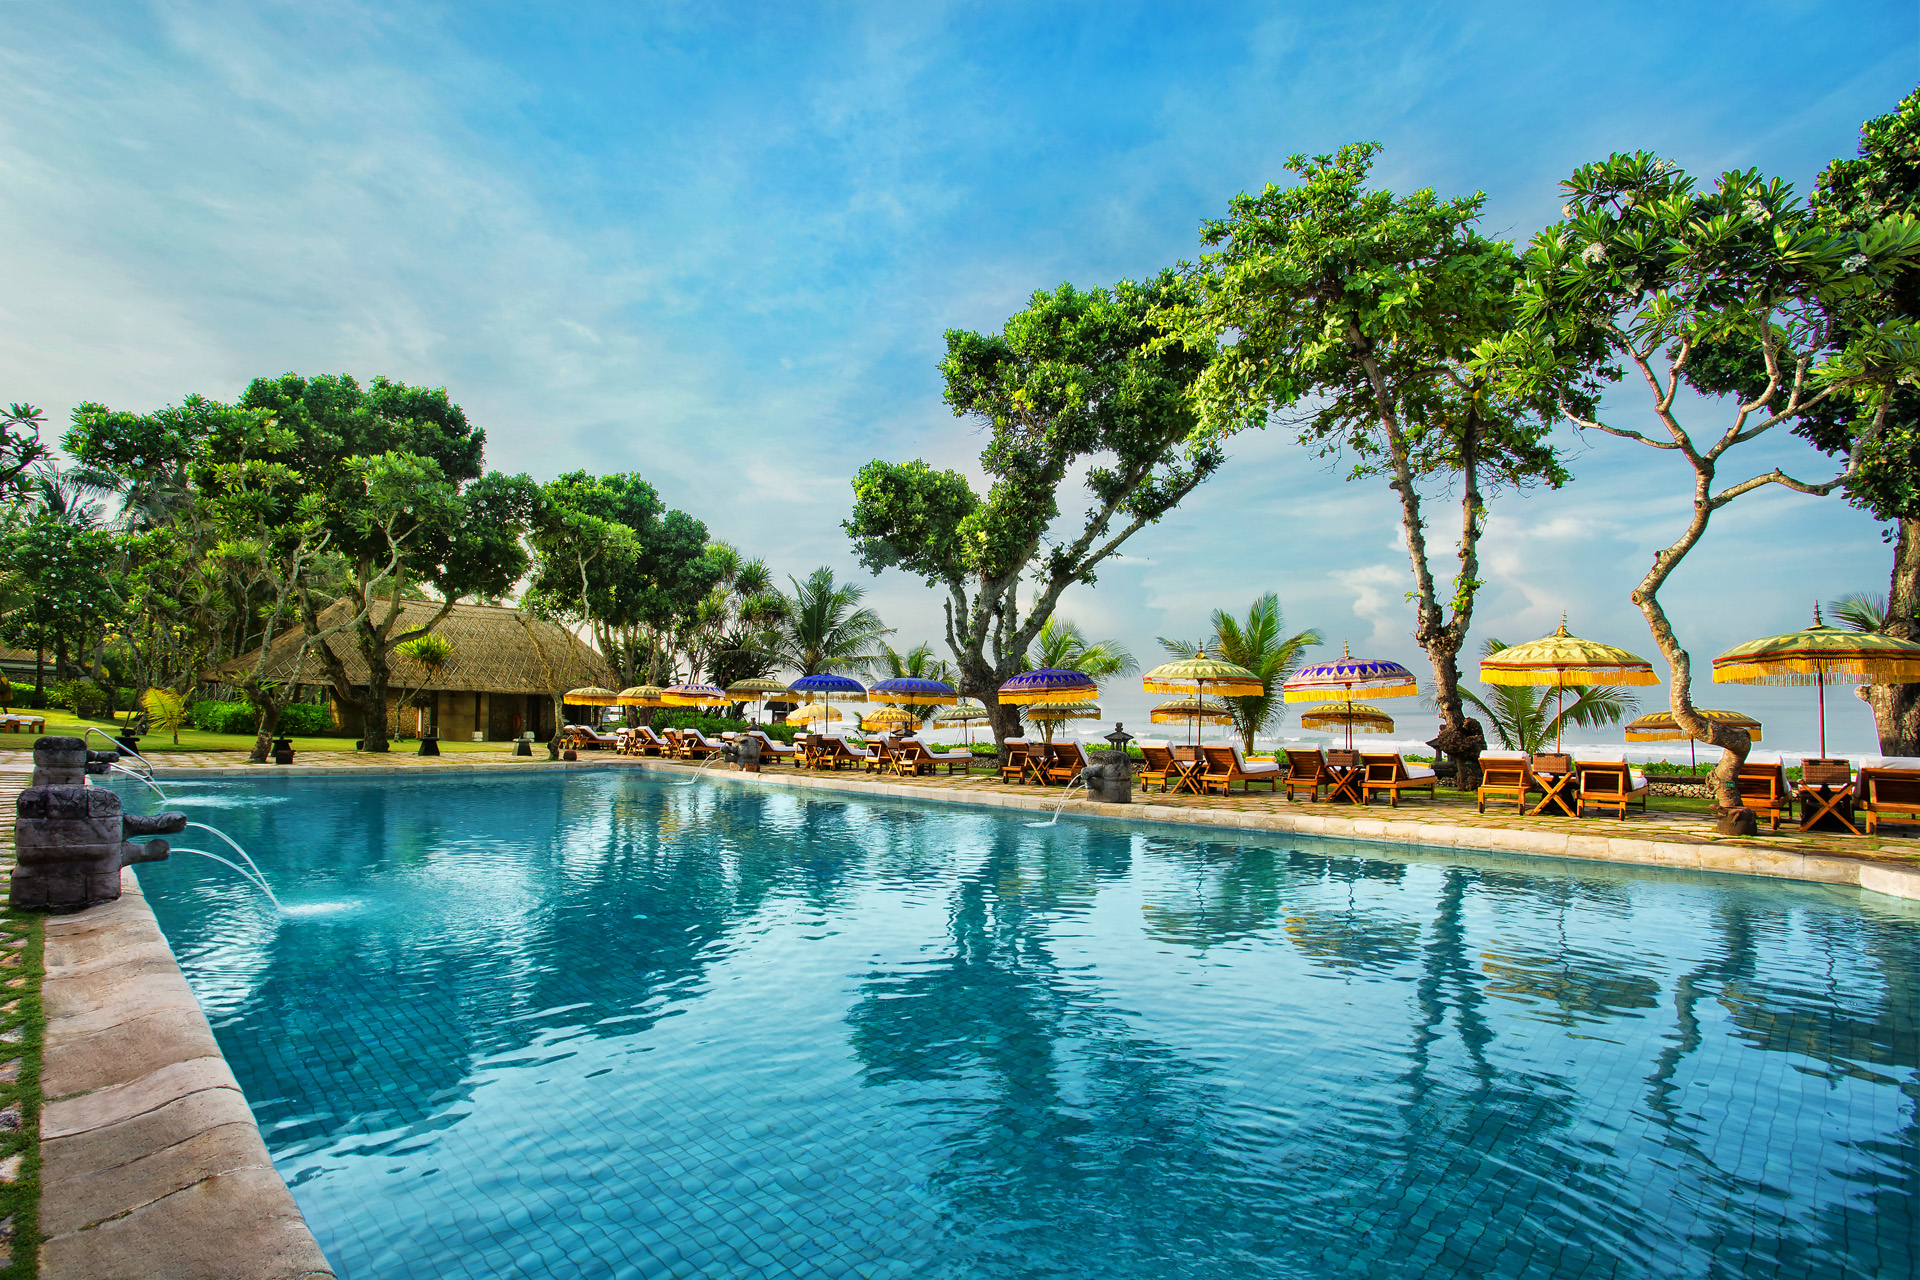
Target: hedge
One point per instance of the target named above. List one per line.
(301, 719)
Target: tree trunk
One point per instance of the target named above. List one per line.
(559, 724)
(269, 722)
(1896, 707)
(1734, 743)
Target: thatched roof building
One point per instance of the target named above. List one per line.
(498, 680)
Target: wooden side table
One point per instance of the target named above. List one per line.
(1557, 779)
(1346, 775)
(1826, 792)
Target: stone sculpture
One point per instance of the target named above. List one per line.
(70, 839)
(1110, 777)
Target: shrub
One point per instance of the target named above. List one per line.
(225, 717)
(306, 720)
(6, 693)
(82, 697)
(711, 725)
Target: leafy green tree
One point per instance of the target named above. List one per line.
(1261, 646)
(1645, 271)
(1851, 196)
(824, 627)
(21, 449)
(1369, 306)
(456, 534)
(1525, 718)
(1066, 385)
(57, 573)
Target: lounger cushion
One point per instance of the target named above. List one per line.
(1602, 755)
(1420, 772)
(1891, 762)
(1502, 755)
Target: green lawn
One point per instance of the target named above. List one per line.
(154, 744)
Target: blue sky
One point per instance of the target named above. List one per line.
(720, 245)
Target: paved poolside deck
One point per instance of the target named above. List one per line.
(1888, 862)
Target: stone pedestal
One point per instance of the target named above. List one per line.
(71, 838)
(1110, 777)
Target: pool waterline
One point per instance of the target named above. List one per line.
(640, 1025)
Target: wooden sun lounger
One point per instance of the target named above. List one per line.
(695, 745)
(1610, 784)
(1504, 774)
(914, 758)
(1223, 767)
(1306, 768)
(1389, 771)
(17, 723)
(587, 739)
(1015, 767)
(1065, 760)
(1763, 789)
(771, 750)
(1891, 787)
(1159, 762)
(836, 753)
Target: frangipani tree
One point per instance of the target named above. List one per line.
(1369, 306)
(1648, 272)
(1066, 384)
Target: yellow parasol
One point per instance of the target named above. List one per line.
(889, 718)
(1562, 659)
(1347, 715)
(1049, 715)
(592, 696)
(759, 691)
(966, 713)
(1177, 710)
(1659, 726)
(808, 712)
(694, 695)
(639, 695)
(1193, 676)
(1816, 655)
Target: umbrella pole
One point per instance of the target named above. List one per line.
(1820, 683)
(1559, 706)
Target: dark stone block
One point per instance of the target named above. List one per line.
(71, 837)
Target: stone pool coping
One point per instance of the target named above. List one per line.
(152, 1167)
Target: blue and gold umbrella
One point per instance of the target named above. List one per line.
(1049, 684)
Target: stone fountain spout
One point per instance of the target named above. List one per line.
(70, 838)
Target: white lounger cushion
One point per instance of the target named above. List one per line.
(1891, 762)
(1254, 766)
(1419, 771)
(1503, 755)
(1602, 755)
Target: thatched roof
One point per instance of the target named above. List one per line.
(494, 651)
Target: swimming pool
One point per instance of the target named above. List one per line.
(601, 1025)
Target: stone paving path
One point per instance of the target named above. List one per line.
(1899, 845)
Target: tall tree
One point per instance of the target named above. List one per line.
(1370, 305)
(1851, 196)
(1261, 645)
(460, 539)
(824, 627)
(1067, 384)
(1647, 271)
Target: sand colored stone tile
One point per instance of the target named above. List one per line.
(124, 1053)
(107, 998)
(182, 1144)
(116, 1105)
(213, 1230)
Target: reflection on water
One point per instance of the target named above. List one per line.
(601, 1026)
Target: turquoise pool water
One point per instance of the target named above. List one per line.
(606, 1026)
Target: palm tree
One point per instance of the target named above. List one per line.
(824, 628)
(1523, 718)
(1860, 611)
(1258, 645)
(1061, 643)
(918, 663)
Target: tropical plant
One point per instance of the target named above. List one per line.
(166, 712)
(1647, 273)
(1524, 717)
(824, 627)
(1258, 645)
(427, 654)
(1860, 611)
(1853, 195)
(1369, 306)
(1066, 388)
(20, 448)
(917, 663)
(1062, 643)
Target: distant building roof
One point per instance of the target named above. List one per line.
(495, 650)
